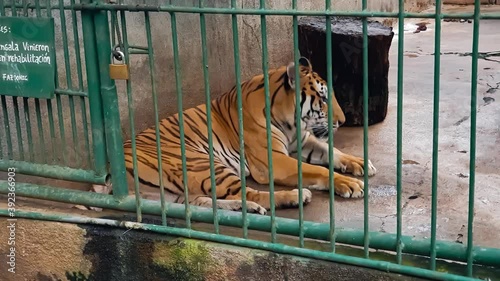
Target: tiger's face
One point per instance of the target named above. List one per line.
(314, 100)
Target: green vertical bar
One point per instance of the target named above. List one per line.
(85, 125)
(6, 124)
(37, 104)
(114, 141)
(399, 141)
(79, 70)
(27, 119)
(38, 8)
(69, 81)
(60, 117)
(138, 199)
(1, 137)
(73, 128)
(18, 128)
(65, 44)
(76, 40)
(209, 117)
(40, 130)
(265, 69)
(435, 138)
(329, 77)
(2, 8)
(473, 113)
(298, 121)
(156, 112)
(48, 9)
(61, 149)
(94, 94)
(49, 101)
(178, 87)
(237, 71)
(13, 8)
(365, 130)
(50, 114)
(113, 27)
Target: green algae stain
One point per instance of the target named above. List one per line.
(182, 259)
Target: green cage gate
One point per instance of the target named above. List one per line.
(78, 136)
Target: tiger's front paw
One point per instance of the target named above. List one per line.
(348, 187)
(355, 165)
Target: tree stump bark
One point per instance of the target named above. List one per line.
(347, 63)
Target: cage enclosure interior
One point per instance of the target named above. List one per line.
(347, 63)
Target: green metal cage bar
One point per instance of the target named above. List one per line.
(93, 88)
(131, 112)
(208, 104)
(27, 120)
(27, 145)
(54, 171)
(265, 71)
(6, 124)
(79, 69)
(366, 243)
(114, 140)
(156, 113)
(472, 149)
(399, 129)
(298, 120)
(62, 130)
(237, 71)
(329, 77)
(178, 88)
(435, 132)
(270, 12)
(40, 130)
(138, 199)
(49, 106)
(18, 129)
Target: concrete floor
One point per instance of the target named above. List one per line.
(454, 138)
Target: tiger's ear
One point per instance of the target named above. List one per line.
(305, 63)
(290, 70)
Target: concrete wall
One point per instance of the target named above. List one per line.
(220, 65)
(52, 251)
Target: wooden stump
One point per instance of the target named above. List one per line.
(347, 63)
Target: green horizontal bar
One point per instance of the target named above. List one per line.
(242, 242)
(52, 171)
(132, 47)
(271, 12)
(67, 92)
(378, 240)
(206, 10)
(138, 52)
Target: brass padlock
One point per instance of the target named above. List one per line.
(118, 71)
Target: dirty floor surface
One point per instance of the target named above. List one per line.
(454, 138)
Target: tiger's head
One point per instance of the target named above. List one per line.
(314, 99)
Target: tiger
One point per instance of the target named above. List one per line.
(225, 129)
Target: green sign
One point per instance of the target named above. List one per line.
(27, 57)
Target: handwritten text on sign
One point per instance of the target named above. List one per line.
(27, 65)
